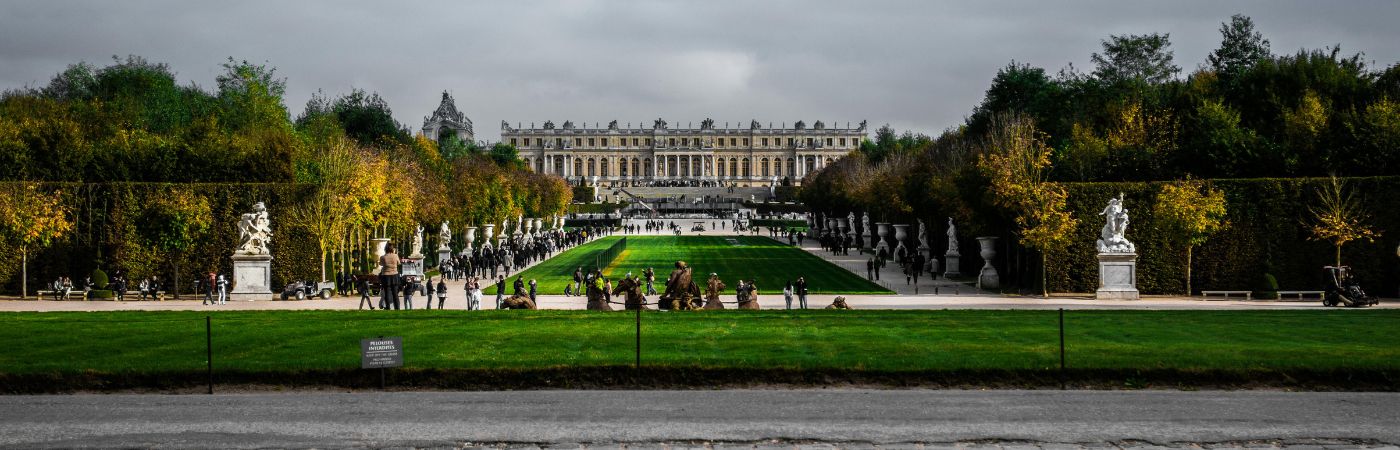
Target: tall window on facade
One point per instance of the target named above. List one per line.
(646, 165)
(843, 142)
(578, 142)
(634, 142)
(809, 142)
(792, 142)
(591, 167)
(591, 143)
(746, 168)
(733, 167)
(828, 142)
(746, 142)
(558, 165)
(765, 142)
(671, 142)
(695, 167)
(603, 167)
(634, 167)
(763, 167)
(792, 166)
(512, 142)
(777, 167)
(539, 165)
(578, 166)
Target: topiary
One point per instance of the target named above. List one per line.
(99, 279)
(1268, 288)
(101, 294)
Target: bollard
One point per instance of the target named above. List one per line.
(1062, 349)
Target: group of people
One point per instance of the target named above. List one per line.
(213, 283)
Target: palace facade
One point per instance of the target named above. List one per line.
(756, 155)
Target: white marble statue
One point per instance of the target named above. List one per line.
(851, 221)
(444, 237)
(417, 242)
(865, 222)
(1111, 239)
(923, 235)
(952, 238)
(255, 232)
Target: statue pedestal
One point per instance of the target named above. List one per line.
(951, 265)
(444, 255)
(1117, 276)
(988, 278)
(252, 278)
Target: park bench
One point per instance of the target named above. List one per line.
(56, 294)
(160, 295)
(1248, 295)
(1298, 295)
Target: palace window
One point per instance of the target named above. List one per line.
(828, 142)
(685, 142)
(792, 166)
(777, 167)
(746, 168)
(603, 167)
(578, 167)
(733, 167)
(539, 165)
(672, 142)
(634, 167)
(646, 164)
(591, 142)
(578, 142)
(809, 142)
(792, 142)
(765, 142)
(843, 142)
(733, 142)
(512, 142)
(746, 142)
(763, 165)
(634, 144)
(648, 142)
(591, 171)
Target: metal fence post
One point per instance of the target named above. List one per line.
(1062, 348)
(639, 337)
(209, 351)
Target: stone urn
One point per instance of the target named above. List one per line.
(901, 232)
(883, 229)
(539, 225)
(833, 225)
(470, 237)
(380, 248)
(988, 278)
(488, 233)
(844, 226)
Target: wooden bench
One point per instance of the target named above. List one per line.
(160, 295)
(1248, 295)
(1298, 295)
(55, 294)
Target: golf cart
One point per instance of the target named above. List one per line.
(301, 290)
(1342, 289)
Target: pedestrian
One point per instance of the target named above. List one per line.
(801, 292)
(870, 268)
(409, 286)
(120, 287)
(651, 280)
(209, 289)
(364, 294)
(441, 292)
(222, 284)
(518, 287)
(500, 290)
(389, 278)
(578, 281)
(476, 294)
(534, 288)
(787, 294)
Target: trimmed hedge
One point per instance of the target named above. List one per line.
(1267, 234)
(105, 229)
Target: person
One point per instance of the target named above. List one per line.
(607, 291)
(534, 288)
(838, 303)
(518, 287)
(409, 286)
(389, 278)
(120, 286)
(144, 287)
(364, 294)
(651, 280)
(209, 289)
(441, 292)
(500, 290)
(578, 281)
(801, 292)
(787, 294)
(221, 284)
(476, 293)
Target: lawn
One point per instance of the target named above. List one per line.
(771, 263)
(155, 343)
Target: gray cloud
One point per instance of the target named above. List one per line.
(917, 65)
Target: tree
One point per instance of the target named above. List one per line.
(331, 210)
(31, 219)
(1339, 218)
(1144, 58)
(252, 95)
(506, 155)
(1017, 162)
(173, 222)
(1188, 211)
(1240, 47)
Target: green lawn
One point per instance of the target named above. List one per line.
(287, 341)
(772, 263)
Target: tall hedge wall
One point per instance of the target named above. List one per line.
(105, 230)
(1267, 233)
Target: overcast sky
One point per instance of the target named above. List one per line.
(919, 65)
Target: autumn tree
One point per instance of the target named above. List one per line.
(339, 199)
(1017, 162)
(31, 219)
(172, 223)
(1338, 217)
(1189, 211)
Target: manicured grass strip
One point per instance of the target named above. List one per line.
(759, 258)
(153, 343)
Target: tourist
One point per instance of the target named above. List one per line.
(441, 292)
(500, 290)
(787, 294)
(119, 285)
(578, 281)
(144, 287)
(870, 268)
(409, 286)
(801, 288)
(518, 287)
(534, 288)
(364, 294)
(651, 280)
(389, 278)
(607, 291)
(209, 289)
(476, 294)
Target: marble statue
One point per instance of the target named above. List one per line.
(254, 231)
(417, 246)
(952, 238)
(1111, 238)
(444, 236)
(923, 235)
(865, 221)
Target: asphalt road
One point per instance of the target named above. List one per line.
(738, 418)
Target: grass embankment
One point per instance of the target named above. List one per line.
(1343, 349)
(773, 264)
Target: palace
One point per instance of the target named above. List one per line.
(742, 156)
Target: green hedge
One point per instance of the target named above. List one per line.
(1267, 234)
(583, 194)
(105, 230)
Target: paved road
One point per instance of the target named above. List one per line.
(741, 418)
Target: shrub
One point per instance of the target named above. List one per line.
(1268, 288)
(99, 279)
(101, 294)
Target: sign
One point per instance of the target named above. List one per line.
(382, 352)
